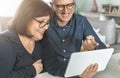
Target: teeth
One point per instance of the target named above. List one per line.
(38, 31)
(65, 15)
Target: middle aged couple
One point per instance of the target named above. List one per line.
(26, 49)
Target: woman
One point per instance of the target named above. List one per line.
(20, 50)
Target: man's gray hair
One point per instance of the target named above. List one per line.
(53, 0)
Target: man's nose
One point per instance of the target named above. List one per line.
(65, 10)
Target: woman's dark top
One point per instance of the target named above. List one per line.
(15, 61)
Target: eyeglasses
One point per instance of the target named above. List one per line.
(41, 23)
(68, 6)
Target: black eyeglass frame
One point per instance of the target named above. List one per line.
(63, 6)
(41, 22)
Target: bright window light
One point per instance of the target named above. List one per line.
(47, 0)
(9, 7)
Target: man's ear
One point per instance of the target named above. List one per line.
(51, 4)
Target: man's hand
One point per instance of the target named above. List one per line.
(90, 71)
(89, 43)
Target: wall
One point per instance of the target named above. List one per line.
(117, 2)
(8, 7)
(85, 5)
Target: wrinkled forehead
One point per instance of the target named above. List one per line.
(62, 1)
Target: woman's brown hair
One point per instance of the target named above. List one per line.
(28, 10)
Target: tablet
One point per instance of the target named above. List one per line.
(79, 61)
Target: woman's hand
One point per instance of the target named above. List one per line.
(90, 71)
(38, 66)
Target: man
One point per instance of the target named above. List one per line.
(66, 34)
